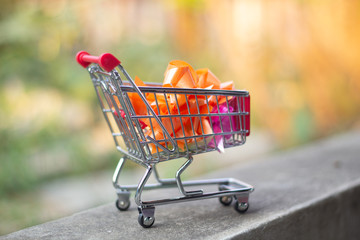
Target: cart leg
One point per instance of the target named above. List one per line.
(179, 182)
(146, 212)
(141, 185)
(123, 201)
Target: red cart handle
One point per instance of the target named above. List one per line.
(106, 61)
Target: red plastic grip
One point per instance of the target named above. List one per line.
(106, 61)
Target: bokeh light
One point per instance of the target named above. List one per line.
(300, 60)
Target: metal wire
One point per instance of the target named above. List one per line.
(143, 144)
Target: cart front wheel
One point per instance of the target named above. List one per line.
(241, 207)
(122, 205)
(225, 200)
(145, 222)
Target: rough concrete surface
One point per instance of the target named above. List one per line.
(311, 192)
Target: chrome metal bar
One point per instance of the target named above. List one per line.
(194, 115)
(154, 137)
(141, 185)
(229, 187)
(156, 142)
(204, 135)
(136, 88)
(179, 183)
(171, 118)
(191, 122)
(211, 123)
(159, 114)
(188, 198)
(190, 91)
(181, 122)
(171, 182)
(232, 128)
(116, 175)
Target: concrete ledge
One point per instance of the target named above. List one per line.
(309, 193)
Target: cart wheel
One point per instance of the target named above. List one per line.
(241, 207)
(122, 205)
(225, 200)
(146, 222)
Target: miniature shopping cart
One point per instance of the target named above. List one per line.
(139, 143)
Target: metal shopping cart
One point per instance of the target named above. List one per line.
(113, 86)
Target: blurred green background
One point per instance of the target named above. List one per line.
(299, 59)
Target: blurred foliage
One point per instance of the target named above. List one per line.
(300, 60)
(15, 214)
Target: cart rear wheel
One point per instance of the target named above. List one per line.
(122, 205)
(226, 200)
(145, 222)
(241, 207)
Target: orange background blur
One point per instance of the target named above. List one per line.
(300, 60)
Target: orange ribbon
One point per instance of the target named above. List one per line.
(180, 74)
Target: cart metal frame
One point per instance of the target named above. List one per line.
(113, 84)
